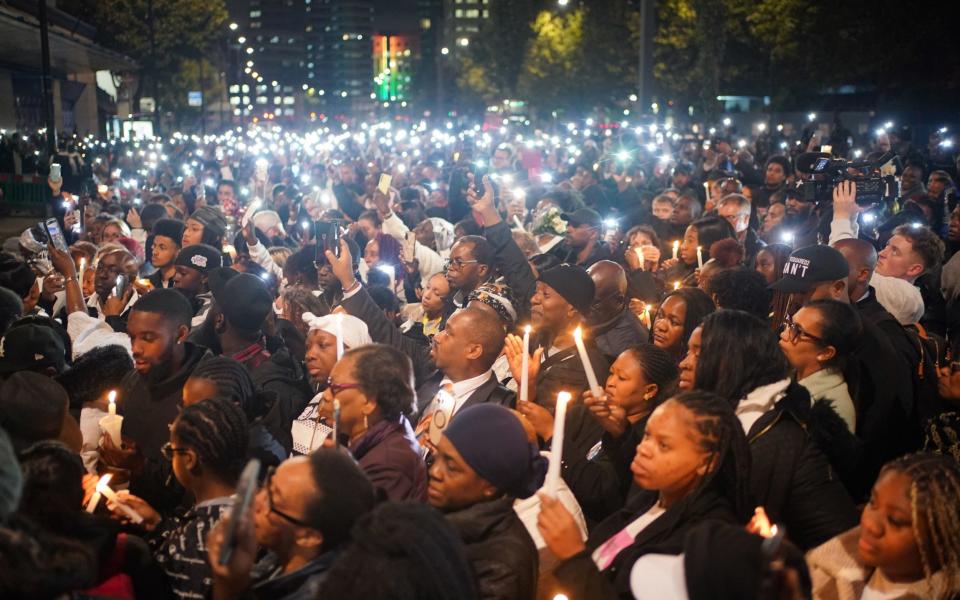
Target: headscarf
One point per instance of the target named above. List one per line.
(355, 332)
(499, 297)
(512, 464)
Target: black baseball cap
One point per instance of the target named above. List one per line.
(200, 257)
(244, 301)
(573, 283)
(809, 266)
(29, 346)
(583, 216)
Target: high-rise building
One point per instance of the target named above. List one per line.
(346, 63)
(462, 20)
(393, 57)
(269, 44)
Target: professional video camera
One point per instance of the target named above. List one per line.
(875, 179)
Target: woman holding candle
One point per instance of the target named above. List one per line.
(640, 379)
(692, 465)
(373, 385)
(701, 234)
(208, 449)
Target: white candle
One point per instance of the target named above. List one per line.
(552, 483)
(112, 424)
(339, 335)
(587, 367)
(111, 495)
(639, 252)
(676, 285)
(646, 315)
(676, 248)
(699, 258)
(95, 499)
(517, 222)
(525, 365)
(83, 269)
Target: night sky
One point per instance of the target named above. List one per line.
(395, 15)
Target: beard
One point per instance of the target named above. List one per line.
(161, 371)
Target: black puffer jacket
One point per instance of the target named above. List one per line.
(791, 477)
(503, 557)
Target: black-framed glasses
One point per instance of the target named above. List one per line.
(275, 510)
(336, 388)
(457, 263)
(168, 450)
(795, 332)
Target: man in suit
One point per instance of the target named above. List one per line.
(459, 360)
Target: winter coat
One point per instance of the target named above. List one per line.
(791, 477)
(389, 454)
(502, 555)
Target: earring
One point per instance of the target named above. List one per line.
(365, 425)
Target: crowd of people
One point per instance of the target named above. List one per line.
(595, 362)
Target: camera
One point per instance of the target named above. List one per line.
(824, 173)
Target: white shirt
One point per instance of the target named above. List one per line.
(881, 588)
(462, 390)
(759, 401)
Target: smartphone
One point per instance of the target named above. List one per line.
(328, 238)
(384, 184)
(410, 246)
(55, 234)
(121, 286)
(246, 488)
(55, 174)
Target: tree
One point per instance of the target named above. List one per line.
(489, 68)
(161, 35)
(550, 64)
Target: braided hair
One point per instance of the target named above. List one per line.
(658, 368)
(934, 489)
(232, 379)
(721, 435)
(216, 430)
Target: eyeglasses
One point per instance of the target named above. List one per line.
(336, 388)
(795, 332)
(273, 509)
(457, 263)
(168, 450)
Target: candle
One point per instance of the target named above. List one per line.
(517, 222)
(111, 495)
(336, 422)
(676, 248)
(762, 522)
(339, 335)
(639, 252)
(525, 365)
(587, 367)
(676, 285)
(552, 483)
(112, 424)
(646, 315)
(95, 499)
(699, 258)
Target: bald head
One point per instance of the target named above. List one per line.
(483, 328)
(610, 297)
(862, 258)
(609, 278)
